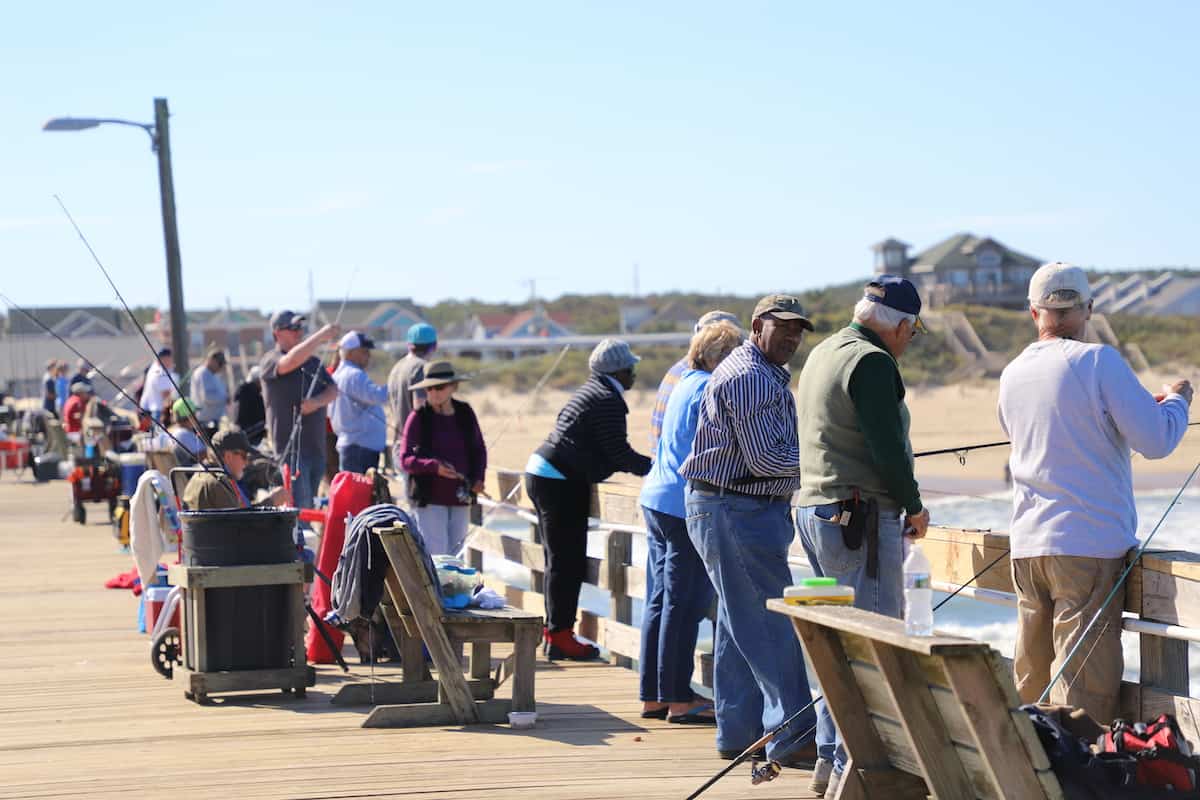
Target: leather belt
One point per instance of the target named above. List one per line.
(705, 486)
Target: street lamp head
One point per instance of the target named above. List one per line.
(70, 124)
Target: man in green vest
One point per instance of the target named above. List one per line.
(858, 497)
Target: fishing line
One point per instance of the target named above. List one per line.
(203, 434)
(766, 739)
(1113, 592)
(92, 366)
(962, 451)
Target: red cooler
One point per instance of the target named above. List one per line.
(156, 598)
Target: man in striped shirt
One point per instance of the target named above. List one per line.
(741, 473)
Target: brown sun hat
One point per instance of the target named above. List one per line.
(438, 373)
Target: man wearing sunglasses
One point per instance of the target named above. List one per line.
(297, 388)
(212, 489)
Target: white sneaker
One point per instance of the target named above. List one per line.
(819, 782)
(831, 789)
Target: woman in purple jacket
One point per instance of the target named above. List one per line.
(442, 451)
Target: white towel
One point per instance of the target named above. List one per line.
(152, 528)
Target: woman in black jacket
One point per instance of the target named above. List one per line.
(588, 444)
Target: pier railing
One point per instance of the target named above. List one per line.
(1162, 604)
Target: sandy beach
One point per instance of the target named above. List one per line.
(946, 416)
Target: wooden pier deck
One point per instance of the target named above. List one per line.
(83, 714)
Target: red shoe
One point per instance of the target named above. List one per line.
(563, 644)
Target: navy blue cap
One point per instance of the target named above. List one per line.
(895, 292)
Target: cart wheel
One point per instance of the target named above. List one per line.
(79, 514)
(165, 652)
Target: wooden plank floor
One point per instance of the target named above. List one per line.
(83, 714)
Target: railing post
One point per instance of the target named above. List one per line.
(1164, 664)
(619, 556)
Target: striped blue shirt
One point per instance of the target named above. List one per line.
(747, 428)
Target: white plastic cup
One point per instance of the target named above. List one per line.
(522, 720)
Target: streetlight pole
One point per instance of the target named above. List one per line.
(166, 187)
(160, 141)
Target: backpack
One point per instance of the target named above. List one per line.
(1106, 775)
(1161, 756)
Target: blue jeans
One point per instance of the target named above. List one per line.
(356, 458)
(306, 485)
(678, 593)
(884, 594)
(758, 675)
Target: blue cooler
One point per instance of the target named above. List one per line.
(132, 467)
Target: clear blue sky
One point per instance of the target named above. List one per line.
(453, 150)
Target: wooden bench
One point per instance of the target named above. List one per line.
(935, 715)
(415, 616)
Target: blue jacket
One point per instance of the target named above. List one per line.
(662, 490)
(358, 416)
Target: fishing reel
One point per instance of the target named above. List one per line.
(764, 773)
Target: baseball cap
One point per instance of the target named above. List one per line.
(1056, 277)
(782, 306)
(287, 319)
(898, 293)
(231, 439)
(611, 355)
(183, 408)
(713, 317)
(422, 333)
(163, 352)
(353, 340)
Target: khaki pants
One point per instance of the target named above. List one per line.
(1057, 596)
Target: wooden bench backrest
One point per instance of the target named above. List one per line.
(940, 708)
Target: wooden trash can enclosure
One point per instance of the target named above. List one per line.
(243, 602)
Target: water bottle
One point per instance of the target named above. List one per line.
(918, 594)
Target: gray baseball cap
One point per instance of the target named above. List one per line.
(715, 316)
(287, 319)
(611, 355)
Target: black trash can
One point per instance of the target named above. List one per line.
(247, 627)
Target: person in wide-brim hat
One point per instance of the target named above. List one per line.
(439, 373)
(443, 453)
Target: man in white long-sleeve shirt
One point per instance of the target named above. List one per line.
(1074, 411)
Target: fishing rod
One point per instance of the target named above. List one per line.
(92, 366)
(200, 431)
(1113, 592)
(962, 451)
(762, 776)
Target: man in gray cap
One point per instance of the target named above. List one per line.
(741, 473)
(1073, 411)
(296, 390)
(675, 373)
(588, 444)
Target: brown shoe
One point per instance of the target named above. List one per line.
(804, 758)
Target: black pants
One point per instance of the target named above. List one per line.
(562, 508)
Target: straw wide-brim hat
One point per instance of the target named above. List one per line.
(438, 373)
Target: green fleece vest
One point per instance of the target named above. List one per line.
(834, 458)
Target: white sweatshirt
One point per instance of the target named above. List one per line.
(1073, 412)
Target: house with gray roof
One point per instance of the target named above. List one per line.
(963, 268)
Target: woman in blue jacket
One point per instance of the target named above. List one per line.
(678, 591)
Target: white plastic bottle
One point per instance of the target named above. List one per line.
(918, 593)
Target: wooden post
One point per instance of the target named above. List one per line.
(525, 642)
(166, 186)
(620, 555)
(1164, 664)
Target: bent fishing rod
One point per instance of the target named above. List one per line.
(203, 434)
(772, 769)
(97, 370)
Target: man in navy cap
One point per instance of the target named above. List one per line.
(858, 497)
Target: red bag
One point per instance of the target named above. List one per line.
(1161, 753)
